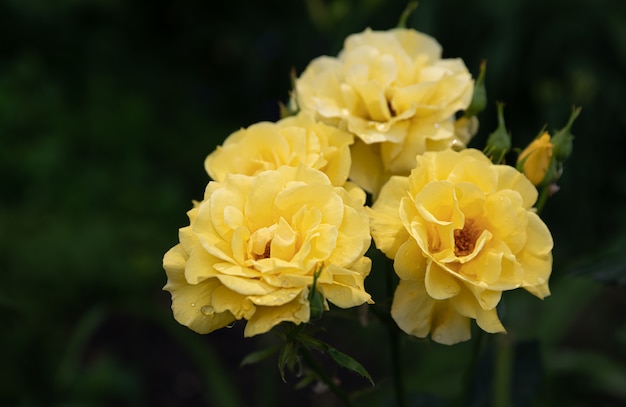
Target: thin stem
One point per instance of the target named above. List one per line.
(502, 374)
(395, 341)
(469, 379)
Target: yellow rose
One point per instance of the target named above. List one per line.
(254, 243)
(291, 141)
(535, 159)
(461, 230)
(390, 88)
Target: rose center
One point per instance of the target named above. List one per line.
(261, 243)
(266, 252)
(392, 111)
(465, 239)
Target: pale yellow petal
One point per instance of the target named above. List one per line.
(224, 299)
(440, 285)
(277, 297)
(510, 178)
(244, 285)
(386, 227)
(412, 308)
(265, 318)
(449, 327)
(199, 265)
(410, 263)
(188, 299)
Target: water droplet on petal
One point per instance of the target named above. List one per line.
(232, 324)
(193, 304)
(207, 310)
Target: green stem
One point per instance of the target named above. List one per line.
(471, 370)
(395, 340)
(321, 373)
(502, 374)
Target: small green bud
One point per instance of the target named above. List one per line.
(479, 97)
(563, 139)
(498, 142)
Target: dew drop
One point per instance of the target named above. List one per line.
(207, 310)
(193, 304)
(232, 324)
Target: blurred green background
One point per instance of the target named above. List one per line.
(107, 111)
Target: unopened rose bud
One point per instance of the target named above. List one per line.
(536, 160)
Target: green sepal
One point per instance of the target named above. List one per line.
(563, 139)
(499, 141)
(316, 299)
(288, 357)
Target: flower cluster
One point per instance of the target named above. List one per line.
(376, 147)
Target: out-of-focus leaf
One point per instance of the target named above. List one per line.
(607, 267)
(260, 355)
(599, 371)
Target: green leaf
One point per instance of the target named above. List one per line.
(260, 355)
(343, 360)
(349, 363)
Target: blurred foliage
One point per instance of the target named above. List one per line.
(107, 111)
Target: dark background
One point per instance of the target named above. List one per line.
(107, 111)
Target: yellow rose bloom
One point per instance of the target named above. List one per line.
(254, 244)
(461, 230)
(291, 141)
(535, 159)
(393, 91)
